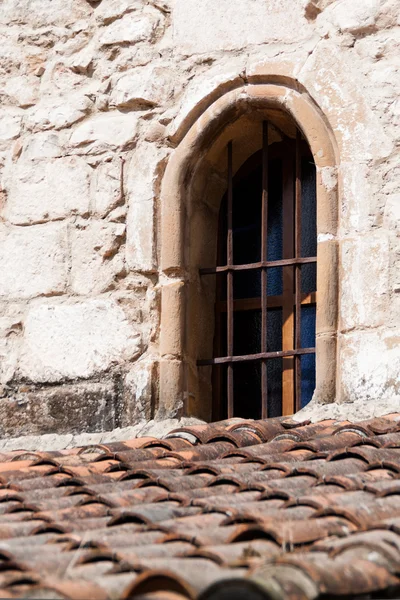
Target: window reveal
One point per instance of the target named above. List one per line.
(264, 351)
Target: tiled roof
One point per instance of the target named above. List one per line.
(238, 509)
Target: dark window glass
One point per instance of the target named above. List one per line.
(247, 291)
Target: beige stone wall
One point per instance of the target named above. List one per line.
(95, 97)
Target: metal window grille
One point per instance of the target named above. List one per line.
(292, 300)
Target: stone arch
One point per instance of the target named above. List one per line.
(177, 360)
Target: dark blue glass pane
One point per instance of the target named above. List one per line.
(274, 281)
(274, 330)
(307, 378)
(308, 316)
(309, 209)
(274, 375)
(275, 229)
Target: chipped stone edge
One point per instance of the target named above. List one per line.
(53, 441)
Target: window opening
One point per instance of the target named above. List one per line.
(265, 309)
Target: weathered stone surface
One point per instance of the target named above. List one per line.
(68, 409)
(392, 212)
(138, 393)
(144, 172)
(336, 84)
(54, 441)
(365, 282)
(95, 95)
(43, 145)
(222, 28)
(10, 125)
(11, 319)
(357, 210)
(131, 29)
(108, 192)
(313, 8)
(107, 12)
(96, 260)
(69, 341)
(22, 90)
(33, 260)
(41, 191)
(354, 16)
(37, 13)
(370, 366)
(140, 249)
(108, 131)
(143, 87)
(143, 177)
(211, 83)
(58, 113)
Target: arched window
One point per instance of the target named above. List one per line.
(265, 308)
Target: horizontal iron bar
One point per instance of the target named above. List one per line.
(242, 304)
(269, 264)
(250, 357)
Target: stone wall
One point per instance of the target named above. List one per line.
(94, 96)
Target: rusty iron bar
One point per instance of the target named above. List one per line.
(264, 252)
(297, 284)
(243, 304)
(252, 357)
(230, 282)
(284, 262)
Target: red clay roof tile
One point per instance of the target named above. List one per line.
(275, 508)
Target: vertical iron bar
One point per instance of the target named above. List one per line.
(230, 282)
(288, 277)
(264, 247)
(297, 288)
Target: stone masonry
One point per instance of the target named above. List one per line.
(92, 95)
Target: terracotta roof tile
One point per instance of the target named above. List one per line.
(274, 509)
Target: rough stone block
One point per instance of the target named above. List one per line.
(107, 192)
(108, 131)
(144, 173)
(206, 86)
(210, 26)
(33, 260)
(365, 281)
(69, 341)
(63, 409)
(392, 212)
(59, 112)
(10, 125)
(336, 84)
(132, 28)
(41, 191)
(22, 90)
(357, 212)
(96, 260)
(107, 12)
(11, 318)
(354, 16)
(138, 393)
(42, 145)
(140, 246)
(143, 87)
(370, 365)
(38, 13)
(173, 319)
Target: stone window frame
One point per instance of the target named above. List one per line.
(197, 131)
